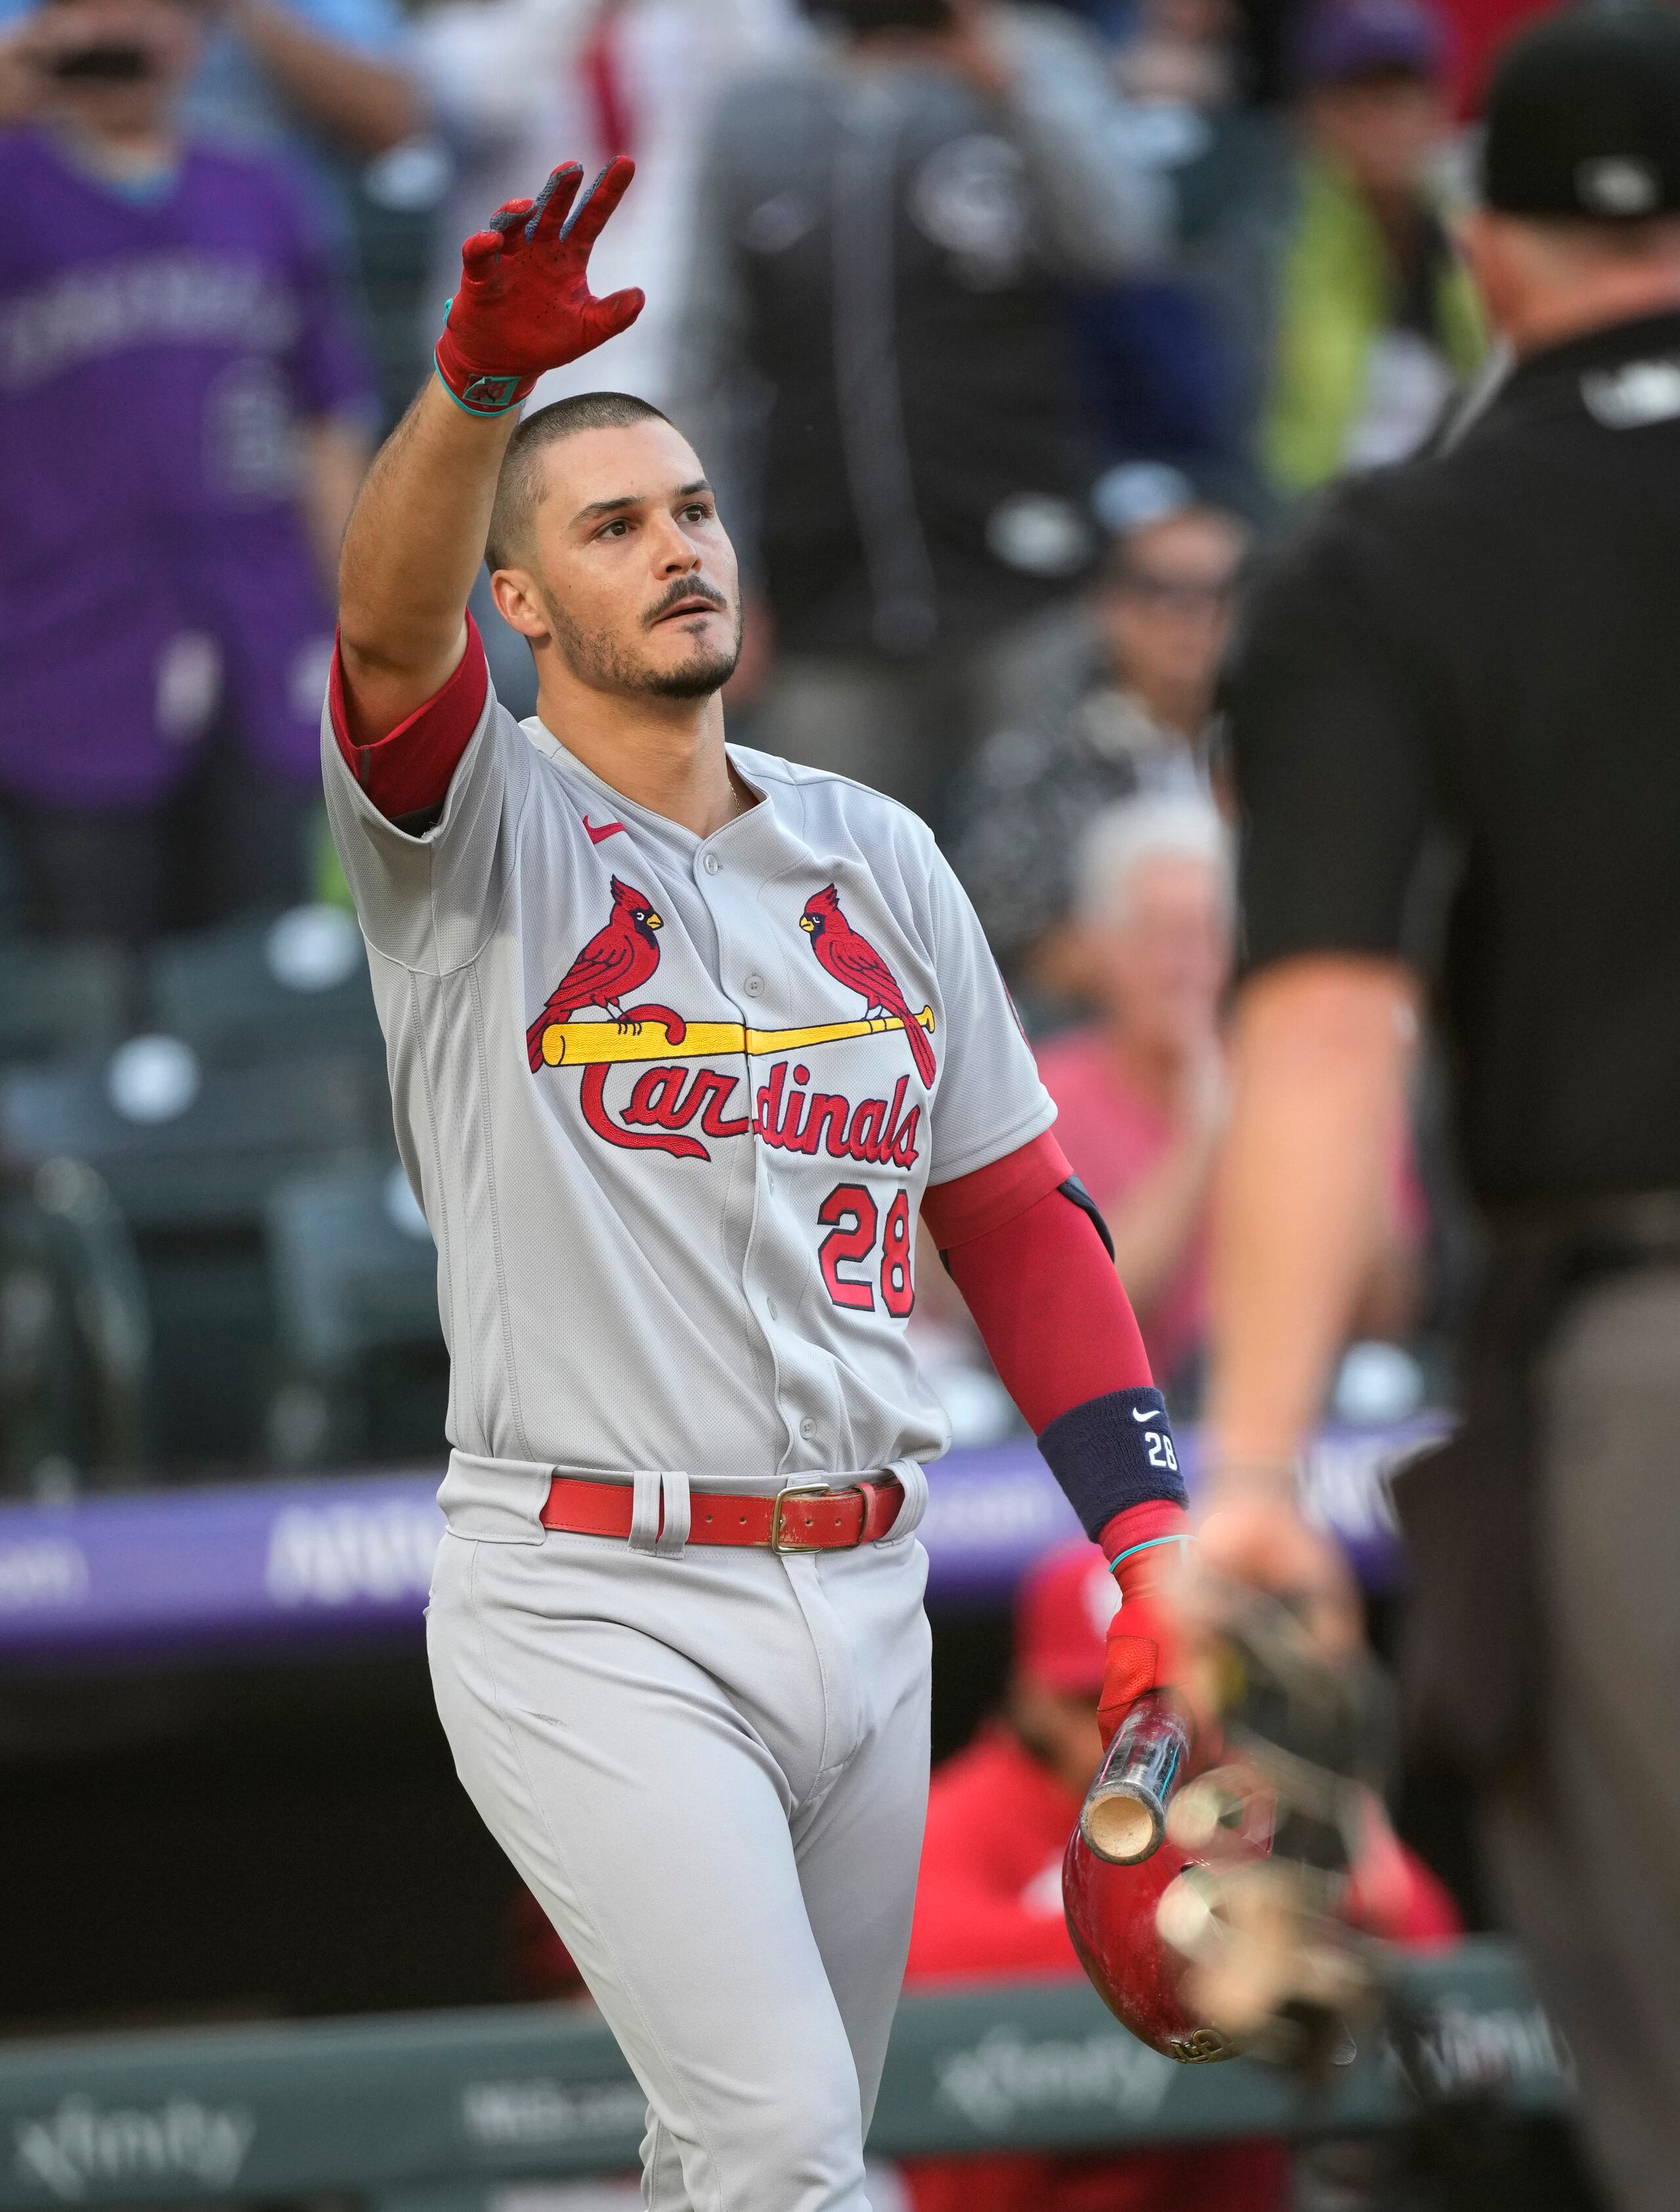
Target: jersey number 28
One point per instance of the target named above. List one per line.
(852, 1218)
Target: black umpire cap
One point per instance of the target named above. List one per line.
(1584, 119)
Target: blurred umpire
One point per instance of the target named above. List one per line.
(1455, 721)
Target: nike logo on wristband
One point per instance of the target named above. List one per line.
(605, 830)
(1153, 1414)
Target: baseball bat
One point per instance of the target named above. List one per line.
(585, 1044)
(1123, 1817)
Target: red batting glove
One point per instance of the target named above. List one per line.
(524, 304)
(1146, 1648)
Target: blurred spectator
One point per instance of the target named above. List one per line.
(1353, 310)
(884, 229)
(324, 77)
(535, 1964)
(1157, 375)
(319, 79)
(514, 83)
(1183, 52)
(1141, 1090)
(184, 419)
(989, 1906)
(1135, 717)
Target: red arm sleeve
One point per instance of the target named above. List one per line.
(407, 771)
(1042, 1289)
(1050, 1307)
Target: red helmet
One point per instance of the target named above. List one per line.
(1131, 1846)
(1139, 1976)
(1239, 1898)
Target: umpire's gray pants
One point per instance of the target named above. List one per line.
(712, 1771)
(1586, 1845)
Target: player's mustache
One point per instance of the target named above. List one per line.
(692, 589)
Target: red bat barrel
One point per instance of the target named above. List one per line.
(1110, 1895)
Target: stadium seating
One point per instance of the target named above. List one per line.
(365, 1375)
(257, 990)
(58, 999)
(75, 1334)
(190, 1151)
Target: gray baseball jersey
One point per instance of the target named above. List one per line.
(670, 1103)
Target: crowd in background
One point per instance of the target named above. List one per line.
(1010, 332)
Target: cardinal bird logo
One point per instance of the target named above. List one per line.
(617, 960)
(853, 961)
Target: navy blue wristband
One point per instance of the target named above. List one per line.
(1112, 1452)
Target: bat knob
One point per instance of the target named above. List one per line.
(1123, 1818)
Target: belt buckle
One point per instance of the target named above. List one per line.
(795, 1490)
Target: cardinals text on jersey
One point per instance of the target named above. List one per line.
(673, 1105)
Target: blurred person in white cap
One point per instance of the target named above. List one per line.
(1140, 1089)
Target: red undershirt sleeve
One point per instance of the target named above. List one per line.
(406, 772)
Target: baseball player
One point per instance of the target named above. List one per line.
(682, 1041)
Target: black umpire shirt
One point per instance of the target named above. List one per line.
(1461, 679)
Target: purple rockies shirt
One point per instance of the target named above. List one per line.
(157, 357)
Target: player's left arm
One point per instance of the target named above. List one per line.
(1030, 1254)
(1031, 1257)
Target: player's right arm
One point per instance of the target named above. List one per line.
(418, 530)
(415, 540)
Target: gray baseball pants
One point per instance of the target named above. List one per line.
(1586, 1841)
(711, 1769)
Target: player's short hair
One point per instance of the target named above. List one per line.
(518, 487)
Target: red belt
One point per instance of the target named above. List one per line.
(804, 1517)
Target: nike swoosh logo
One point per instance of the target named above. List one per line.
(605, 830)
(1153, 1414)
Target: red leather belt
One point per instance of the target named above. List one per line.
(804, 1517)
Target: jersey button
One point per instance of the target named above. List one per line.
(711, 864)
(772, 1310)
(754, 987)
(808, 1428)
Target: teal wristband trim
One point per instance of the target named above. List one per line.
(506, 406)
(1149, 1544)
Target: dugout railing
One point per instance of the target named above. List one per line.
(428, 2112)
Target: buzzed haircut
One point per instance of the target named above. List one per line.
(518, 487)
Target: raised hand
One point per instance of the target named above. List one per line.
(524, 305)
